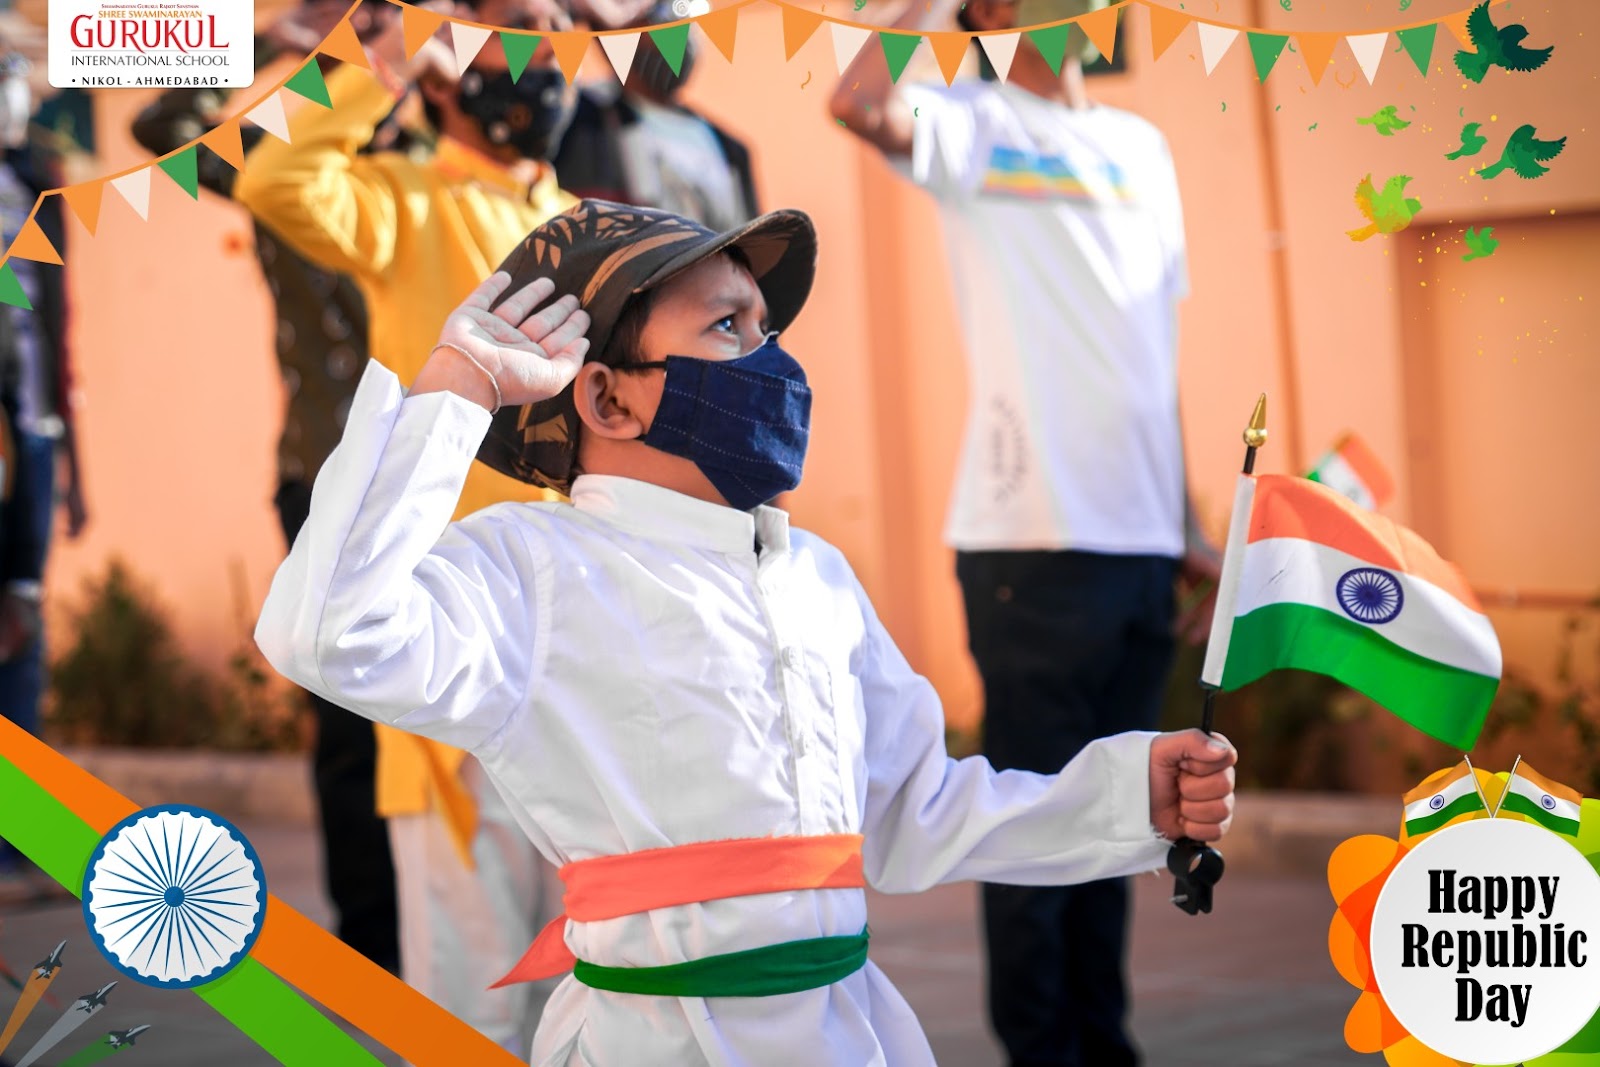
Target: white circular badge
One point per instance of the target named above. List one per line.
(1486, 941)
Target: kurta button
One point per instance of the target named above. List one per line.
(791, 658)
(1003, 594)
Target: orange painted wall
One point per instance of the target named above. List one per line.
(1494, 451)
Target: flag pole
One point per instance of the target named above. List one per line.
(1197, 866)
(1506, 791)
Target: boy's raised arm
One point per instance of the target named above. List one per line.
(867, 100)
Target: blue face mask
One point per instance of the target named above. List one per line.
(744, 422)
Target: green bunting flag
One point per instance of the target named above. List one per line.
(1265, 48)
(672, 40)
(307, 81)
(897, 49)
(11, 289)
(183, 168)
(1051, 41)
(519, 48)
(1418, 41)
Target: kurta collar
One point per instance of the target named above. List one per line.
(458, 159)
(653, 511)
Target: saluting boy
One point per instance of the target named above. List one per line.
(689, 705)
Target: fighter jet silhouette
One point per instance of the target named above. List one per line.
(91, 1001)
(120, 1038)
(48, 966)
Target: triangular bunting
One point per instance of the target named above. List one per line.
(847, 42)
(1001, 48)
(1165, 26)
(949, 49)
(270, 117)
(226, 142)
(1317, 50)
(720, 28)
(897, 49)
(1418, 42)
(183, 168)
(619, 48)
(672, 42)
(1265, 49)
(307, 82)
(1101, 29)
(419, 24)
(570, 50)
(11, 289)
(1051, 41)
(343, 44)
(798, 26)
(84, 200)
(31, 243)
(1368, 50)
(1214, 43)
(519, 48)
(468, 41)
(1458, 26)
(135, 189)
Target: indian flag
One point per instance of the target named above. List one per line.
(1351, 468)
(1313, 582)
(1445, 798)
(1541, 800)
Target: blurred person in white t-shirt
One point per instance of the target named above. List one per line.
(1071, 518)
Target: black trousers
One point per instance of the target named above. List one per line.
(355, 839)
(1072, 646)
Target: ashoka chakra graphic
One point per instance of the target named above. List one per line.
(1370, 595)
(1547, 802)
(1437, 802)
(174, 896)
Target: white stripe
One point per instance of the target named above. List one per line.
(1432, 623)
(1244, 496)
(1564, 809)
(1336, 473)
(1421, 809)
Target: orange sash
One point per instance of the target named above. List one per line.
(609, 887)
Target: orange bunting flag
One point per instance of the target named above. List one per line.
(949, 49)
(84, 200)
(720, 27)
(227, 142)
(343, 44)
(1458, 26)
(1101, 29)
(1165, 26)
(1317, 50)
(31, 243)
(570, 48)
(419, 25)
(798, 26)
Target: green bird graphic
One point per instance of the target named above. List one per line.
(1523, 153)
(1471, 142)
(1387, 212)
(1384, 120)
(1497, 47)
(1479, 243)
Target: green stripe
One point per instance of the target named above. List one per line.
(250, 997)
(790, 967)
(1548, 819)
(1444, 702)
(1458, 807)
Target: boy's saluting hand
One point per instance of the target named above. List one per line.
(1191, 784)
(511, 355)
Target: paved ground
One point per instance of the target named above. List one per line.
(1248, 986)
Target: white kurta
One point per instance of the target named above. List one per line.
(634, 674)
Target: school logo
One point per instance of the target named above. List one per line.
(174, 896)
(106, 44)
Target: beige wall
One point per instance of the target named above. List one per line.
(1494, 452)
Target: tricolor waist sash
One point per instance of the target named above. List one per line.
(609, 887)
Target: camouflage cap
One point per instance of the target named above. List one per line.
(605, 254)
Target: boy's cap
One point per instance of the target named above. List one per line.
(605, 254)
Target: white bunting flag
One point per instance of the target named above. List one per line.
(135, 189)
(1001, 48)
(1368, 49)
(847, 41)
(270, 117)
(1214, 43)
(620, 48)
(468, 41)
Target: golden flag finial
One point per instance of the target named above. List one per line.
(1255, 435)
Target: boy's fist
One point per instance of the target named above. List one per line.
(1191, 785)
